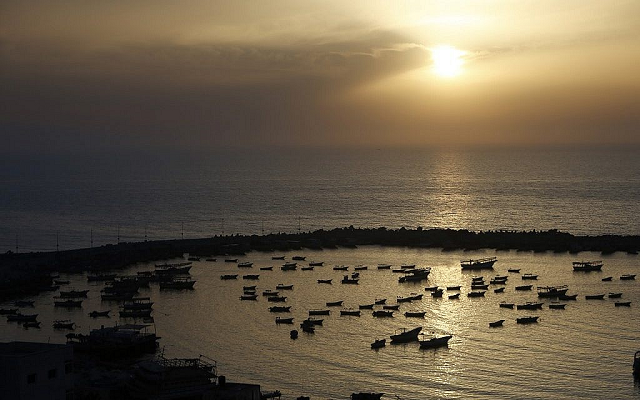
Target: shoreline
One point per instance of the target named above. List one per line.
(27, 273)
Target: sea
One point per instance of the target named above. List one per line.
(51, 202)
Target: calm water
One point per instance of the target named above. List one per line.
(580, 191)
(584, 351)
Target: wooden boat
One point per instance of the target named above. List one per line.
(607, 279)
(117, 296)
(615, 295)
(282, 286)
(231, 260)
(384, 266)
(31, 324)
(245, 264)
(477, 279)
(526, 320)
(479, 287)
(340, 268)
(416, 296)
(334, 303)
(289, 267)
(434, 342)
(514, 270)
(270, 292)
(477, 264)
(415, 275)
(622, 304)
(496, 324)
(382, 313)
(415, 314)
(178, 284)
(498, 290)
(379, 343)
(366, 306)
(67, 303)
(556, 306)
(529, 277)
(277, 309)
(454, 296)
(328, 281)
(498, 281)
(627, 277)
(568, 297)
(437, 293)
(316, 263)
(476, 294)
(401, 299)
(432, 288)
(277, 257)
(266, 268)
(249, 297)
(361, 268)
(529, 306)
(391, 306)
(586, 266)
(7, 311)
(457, 287)
(349, 281)
(253, 287)
(307, 268)
(21, 317)
(407, 266)
(63, 324)
(96, 314)
(355, 313)
(23, 303)
(594, 297)
(251, 277)
(229, 276)
(406, 336)
(280, 320)
(506, 305)
(524, 287)
(298, 258)
(552, 291)
(380, 301)
(308, 328)
(277, 299)
(319, 312)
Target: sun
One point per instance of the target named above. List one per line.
(447, 61)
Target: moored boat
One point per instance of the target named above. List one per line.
(623, 304)
(31, 324)
(586, 266)
(529, 277)
(526, 320)
(454, 296)
(380, 301)
(476, 294)
(434, 342)
(266, 268)
(69, 303)
(496, 324)
(506, 305)
(627, 277)
(594, 297)
(382, 313)
(298, 258)
(316, 263)
(277, 299)
(384, 266)
(498, 290)
(557, 306)
(529, 306)
(514, 270)
(228, 276)
(251, 277)
(280, 320)
(307, 268)
(379, 343)
(607, 279)
(481, 263)
(552, 291)
(328, 281)
(340, 268)
(21, 317)
(334, 303)
(346, 312)
(366, 306)
(415, 314)
(456, 287)
(349, 281)
(277, 309)
(245, 264)
(96, 314)
(178, 283)
(615, 295)
(405, 336)
(524, 287)
(63, 324)
(319, 312)
(249, 297)
(282, 286)
(289, 266)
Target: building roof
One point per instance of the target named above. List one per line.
(26, 348)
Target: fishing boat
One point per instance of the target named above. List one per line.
(477, 264)
(391, 306)
(307, 268)
(245, 264)
(434, 342)
(173, 269)
(379, 343)
(437, 293)
(270, 292)
(316, 263)
(594, 297)
(178, 283)
(347, 312)
(456, 287)
(23, 303)
(496, 281)
(506, 305)
(251, 277)
(298, 258)
(415, 314)
(586, 266)
(380, 301)
(63, 324)
(277, 309)
(340, 268)
(406, 299)
(307, 328)
(607, 279)
(568, 297)
(31, 324)
(96, 314)
(228, 276)
(289, 267)
(293, 334)
(382, 313)
(552, 291)
(415, 275)
(627, 277)
(334, 303)
(327, 281)
(69, 303)
(405, 336)
(266, 268)
(431, 288)
(361, 268)
(479, 287)
(529, 277)
(615, 295)
(282, 286)
(496, 324)
(529, 306)
(277, 257)
(476, 294)
(253, 287)
(349, 281)
(277, 299)
(498, 290)
(514, 270)
(319, 312)
(366, 306)
(21, 317)
(313, 321)
(384, 266)
(280, 320)
(249, 297)
(454, 296)
(623, 304)
(557, 306)
(524, 287)
(526, 320)
(231, 260)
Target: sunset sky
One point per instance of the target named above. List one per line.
(205, 74)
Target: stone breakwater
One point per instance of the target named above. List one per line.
(27, 273)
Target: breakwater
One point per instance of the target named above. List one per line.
(25, 273)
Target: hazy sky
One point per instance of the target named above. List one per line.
(203, 74)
